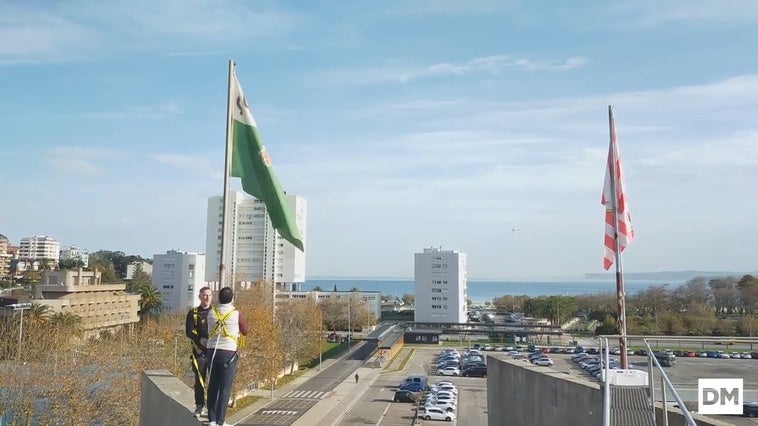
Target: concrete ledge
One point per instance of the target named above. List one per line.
(165, 400)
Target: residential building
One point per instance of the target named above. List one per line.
(371, 299)
(38, 249)
(132, 267)
(75, 253)
(5, 258)
(179, 276)
(440, 286)
(100, 306)
(254, 251)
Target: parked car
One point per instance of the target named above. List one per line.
(413, 386)
(436, 413)
(447, 406)
(545, 362)
(406, 396)
(449, 371)
(475, 371)
(750, 409)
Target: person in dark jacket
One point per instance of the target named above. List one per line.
(196, 329)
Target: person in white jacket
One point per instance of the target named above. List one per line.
(225, 329)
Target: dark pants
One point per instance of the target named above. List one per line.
(223, 367)
(201, 371)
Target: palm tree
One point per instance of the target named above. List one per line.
(150, 301)
(318, 288)
(39, 314)
(67, 322)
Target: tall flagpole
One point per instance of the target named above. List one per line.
(227, 170)
(620, 296)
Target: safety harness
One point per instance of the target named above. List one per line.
(221, 326)
(196, 350)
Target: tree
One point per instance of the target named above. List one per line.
(409, 299)
(262, 357)
(67, 324)
(150, 303)
(318, 288)
(334, 313)
(39, 314)
(72, 263)
(300, 323)
(140, 279)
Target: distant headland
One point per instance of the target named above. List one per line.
(666, 275)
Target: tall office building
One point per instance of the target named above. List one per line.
(440, 286)
(179, 276)
(254, 251)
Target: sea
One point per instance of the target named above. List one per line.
(483, 291)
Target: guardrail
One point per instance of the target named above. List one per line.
(654, 364)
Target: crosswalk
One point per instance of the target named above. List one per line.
(306, 394)
(280, 412)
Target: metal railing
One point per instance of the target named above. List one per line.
(652, 365)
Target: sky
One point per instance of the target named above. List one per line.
(479, 126)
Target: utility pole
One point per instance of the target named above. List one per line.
(20, 307)
(349, 324)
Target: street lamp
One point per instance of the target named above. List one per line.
(20, 307)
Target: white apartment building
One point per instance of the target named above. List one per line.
(71, 252)
(254, 251)
(132, 268)
(40, 248)
(179, 277)
(440, 286)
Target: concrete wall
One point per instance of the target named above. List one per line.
(522, 394)
(165, 400)
(519, 393)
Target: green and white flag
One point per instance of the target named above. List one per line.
(251, 163)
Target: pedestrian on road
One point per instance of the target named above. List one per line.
(227, 331)
(356, 377)
(196, 329)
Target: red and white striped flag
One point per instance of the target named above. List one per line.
(625, 232)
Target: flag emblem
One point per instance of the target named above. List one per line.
(264, 157)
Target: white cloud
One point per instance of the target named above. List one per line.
(652, 13)
(494, 64)
(194, 163)
(138, 112)
(80, 160)
(83, 29)
(31, 35)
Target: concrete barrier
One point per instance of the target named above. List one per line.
(522, 394)
(165, 400)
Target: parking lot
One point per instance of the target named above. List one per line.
(683, 375)
(472, 397)
(472, 393)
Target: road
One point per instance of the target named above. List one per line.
(376, 407)
(293, 404)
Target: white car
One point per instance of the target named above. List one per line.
(448, 387)
(449, 371)
(436, 413)
(448, 406)
(545, 362)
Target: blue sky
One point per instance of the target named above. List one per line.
(405, 124)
